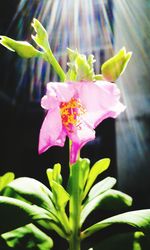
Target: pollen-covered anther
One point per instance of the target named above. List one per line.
(71, 113)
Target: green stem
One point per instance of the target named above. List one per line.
(75, 214)
(48, 56)
(65, 221)
(75, 208)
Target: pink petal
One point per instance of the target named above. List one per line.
(51, 133)
(80, 136)
(63, 91)
(49, 102)
(101, 100)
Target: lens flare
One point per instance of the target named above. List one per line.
(85, 25)
(132, 23)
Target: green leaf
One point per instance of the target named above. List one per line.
(82, 167)
(15, 213)
(116, 65)
(5, 179)
(60, 195)
(41, 37)
(101, 187)
(54, 174)
(57, 173)
(110, 199)
(22, 48)
(96, 196)
(32, 191)
(80, 68)
(139, 220)
(96, 170)
(126, 241)
(61, 198)
(49, 173)
(115, 200)
(28, 237)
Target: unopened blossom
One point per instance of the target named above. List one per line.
(75, 109)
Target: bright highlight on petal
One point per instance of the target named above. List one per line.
(74, 110)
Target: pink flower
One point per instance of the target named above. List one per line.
(74, 110)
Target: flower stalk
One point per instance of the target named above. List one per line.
(49, 57)
(75, 208)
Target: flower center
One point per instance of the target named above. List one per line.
(71, 113)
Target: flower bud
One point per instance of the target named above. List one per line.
(22, 48)
(41, 37)
(116, 65)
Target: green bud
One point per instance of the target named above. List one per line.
(72, 54)
(115, 66)
(41, 37)
(22, 48)
(80, 68)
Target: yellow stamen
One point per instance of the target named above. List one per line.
(71, 113)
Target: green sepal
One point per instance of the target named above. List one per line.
(115, 66)
(96, 170)
(6, 179)
(138, 220)
(22, 48)
(28, 237)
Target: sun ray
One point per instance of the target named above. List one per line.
(131, 30)
(84, 25)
